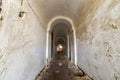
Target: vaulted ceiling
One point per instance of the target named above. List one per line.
(77, 10)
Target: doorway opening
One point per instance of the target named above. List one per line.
(61, 32)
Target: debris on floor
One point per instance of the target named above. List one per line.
(62, 69)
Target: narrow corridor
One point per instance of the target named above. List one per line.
(62, 65)
(31, 30)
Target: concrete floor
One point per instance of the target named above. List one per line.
(60, 68)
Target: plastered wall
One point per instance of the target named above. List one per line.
(23, 37)
(98, 42)
(22, 42)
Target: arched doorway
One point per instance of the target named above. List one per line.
(61, 30)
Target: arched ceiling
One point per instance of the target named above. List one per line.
(88, 16)
(77, 10)
(61, 29)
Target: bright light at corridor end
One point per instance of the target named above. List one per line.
(48, 29)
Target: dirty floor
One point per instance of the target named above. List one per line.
(61, 68)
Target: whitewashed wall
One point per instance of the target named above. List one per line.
(22, 42)
(99, 43)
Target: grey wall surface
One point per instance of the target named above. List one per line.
(98, 42)
(22, 43)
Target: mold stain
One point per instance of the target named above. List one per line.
(1, 17)
(22, 2)
(86, 9)
(84, 17)
(0, 3)
(95, 67)
(0, 9)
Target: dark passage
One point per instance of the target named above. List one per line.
(62, 50)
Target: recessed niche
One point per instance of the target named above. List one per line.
(21, 14)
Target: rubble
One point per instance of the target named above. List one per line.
(61, 68)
